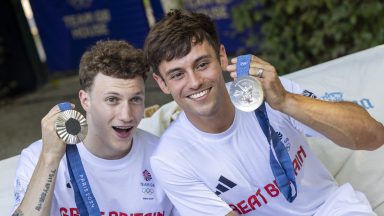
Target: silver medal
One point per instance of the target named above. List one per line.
(246, 93)
(71, 126)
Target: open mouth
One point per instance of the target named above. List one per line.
(199, 94)
(122, 131)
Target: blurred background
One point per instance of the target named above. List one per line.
(41, 43)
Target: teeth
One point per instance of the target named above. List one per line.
(200, 94)
(123, 128)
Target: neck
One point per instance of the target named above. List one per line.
(101, 150)
(217, 123)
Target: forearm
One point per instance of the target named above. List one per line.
(38, 197)
(345, 123)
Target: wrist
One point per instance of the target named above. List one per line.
(51, 158)
(288, 103)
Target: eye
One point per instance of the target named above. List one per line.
(137, 100)
(202, 66)
(176, 75)
(111, 100)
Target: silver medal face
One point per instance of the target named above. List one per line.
(71, 126)
(246, 93)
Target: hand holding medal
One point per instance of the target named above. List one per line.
(246, 91)
(71, 126)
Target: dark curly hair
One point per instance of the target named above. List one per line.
(114, 58)
(176, 34)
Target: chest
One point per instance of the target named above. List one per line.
(237, 167)
(128, 191)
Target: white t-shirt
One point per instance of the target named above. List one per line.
(212, 174)
(121, 187)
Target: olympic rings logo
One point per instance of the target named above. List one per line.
(148, 190)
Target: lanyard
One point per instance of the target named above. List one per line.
(280, 162)
(85, 201)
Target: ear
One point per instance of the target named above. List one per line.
(84, 100)
(160, 81)
(223, 58)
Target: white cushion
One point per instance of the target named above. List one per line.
(7, 175)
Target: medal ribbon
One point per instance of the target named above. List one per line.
(84, 198)
(242, 65)
(279, 159)
(282, 167)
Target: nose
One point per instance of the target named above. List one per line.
(125, 114)
(195, 80)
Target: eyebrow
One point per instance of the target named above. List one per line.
(167, 74)
(117, 94)
(140, 93)
(206, 56)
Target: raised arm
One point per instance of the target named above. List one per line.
(345, 123)
(38, 196)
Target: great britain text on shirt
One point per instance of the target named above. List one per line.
(75, 212)
(259, 198)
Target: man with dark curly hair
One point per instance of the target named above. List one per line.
(115, 153)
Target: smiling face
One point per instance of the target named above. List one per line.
(114, 109)
(196, 82)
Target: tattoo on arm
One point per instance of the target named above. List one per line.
(45, 190)
(18, 212)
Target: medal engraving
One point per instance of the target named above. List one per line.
(71, 126)
(246, 93)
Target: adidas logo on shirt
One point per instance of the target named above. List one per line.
(224, 185)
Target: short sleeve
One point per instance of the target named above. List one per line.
(26, 166)
(296, 89)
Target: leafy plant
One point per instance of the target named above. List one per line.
(298, 34)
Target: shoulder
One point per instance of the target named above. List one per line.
(28, 161)
(146, 137)
(176, 143)
(33, 150)
(146, 140)
(177, 136)
(291, 86)
(294, 87)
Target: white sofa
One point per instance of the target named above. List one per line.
(357, 77)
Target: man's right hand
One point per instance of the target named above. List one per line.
(53, 146)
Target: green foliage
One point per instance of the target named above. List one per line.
(298, 34)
